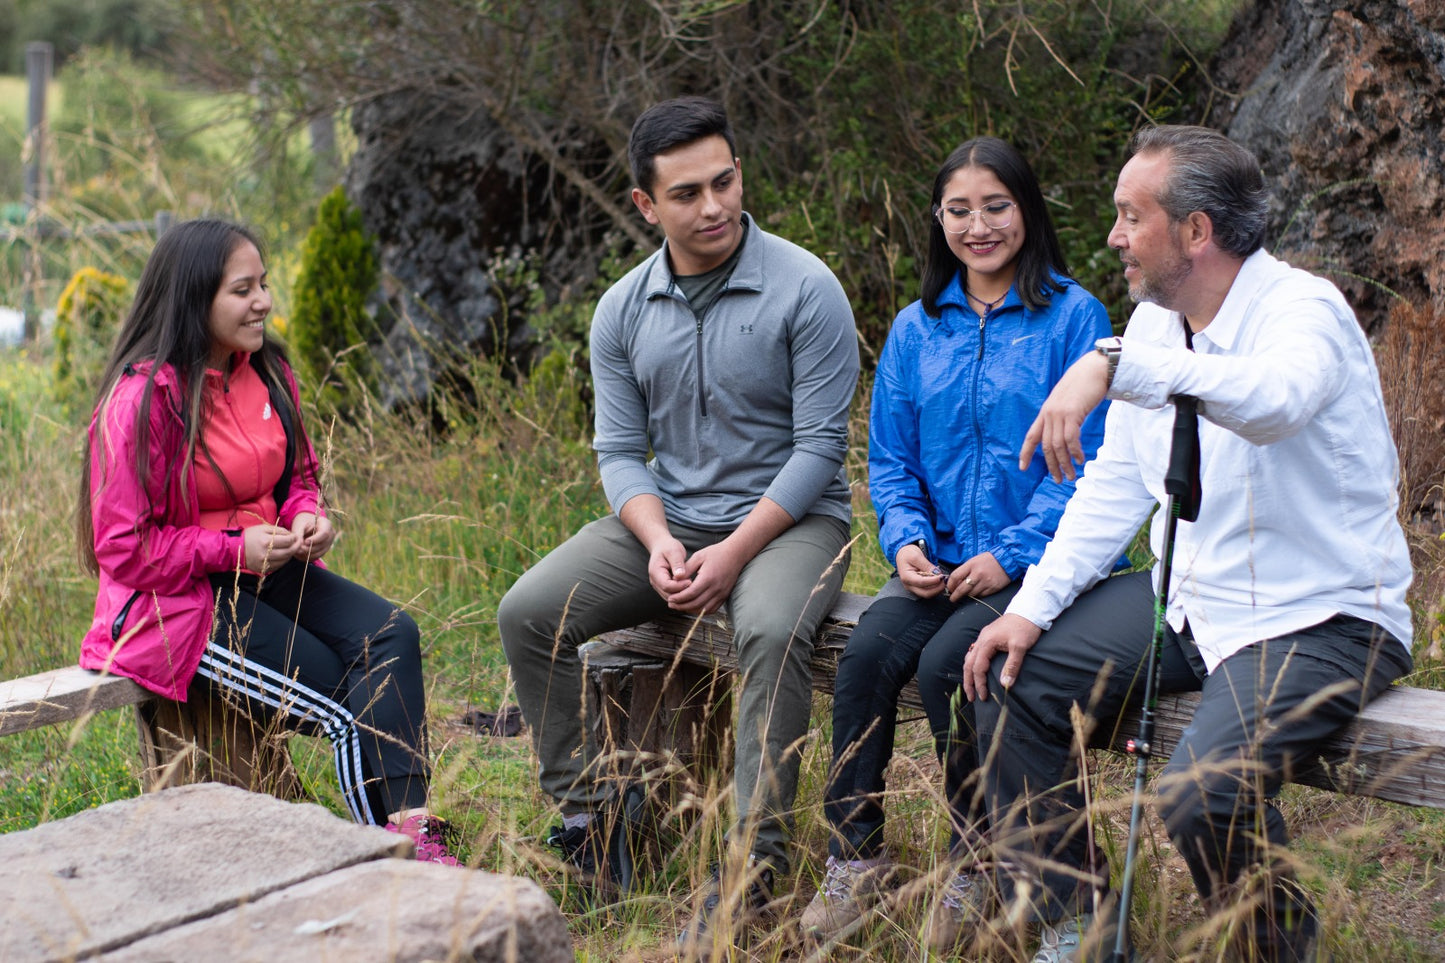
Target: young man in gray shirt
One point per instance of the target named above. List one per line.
(724, 366)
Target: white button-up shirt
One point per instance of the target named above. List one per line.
(1298, 468)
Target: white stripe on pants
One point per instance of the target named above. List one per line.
(265, 685)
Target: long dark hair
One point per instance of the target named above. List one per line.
(168, 325)
(1041, 256)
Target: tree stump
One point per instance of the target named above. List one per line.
(207, 738)
(665, 725)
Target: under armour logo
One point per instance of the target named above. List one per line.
(745, 329)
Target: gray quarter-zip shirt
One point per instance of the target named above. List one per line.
(712, 413)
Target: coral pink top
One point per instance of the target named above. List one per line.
(242, 452)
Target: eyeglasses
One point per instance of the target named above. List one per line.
(959, 220)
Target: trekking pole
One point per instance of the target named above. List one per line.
(1181, 485)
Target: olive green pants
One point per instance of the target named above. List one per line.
(596, 582)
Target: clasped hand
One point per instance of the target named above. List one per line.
(268, 547)
(696, 584)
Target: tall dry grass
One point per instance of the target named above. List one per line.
(443, 524)
(1411, 358)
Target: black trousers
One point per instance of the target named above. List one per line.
(1263, 710)
(900, 635)
(317, 653)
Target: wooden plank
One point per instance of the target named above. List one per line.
(62, 695)
(1394, 750)
(708, 641)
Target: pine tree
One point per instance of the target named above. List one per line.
(330, 328)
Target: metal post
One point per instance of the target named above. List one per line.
(323, 152)
(39, 56)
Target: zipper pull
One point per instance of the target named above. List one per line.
(981, 318)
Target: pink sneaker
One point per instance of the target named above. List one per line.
(430, 836)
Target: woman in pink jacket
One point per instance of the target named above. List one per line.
(200, 511)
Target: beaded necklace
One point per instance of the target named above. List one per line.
(987, 305)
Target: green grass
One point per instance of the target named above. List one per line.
(126, 142)
(444, 525)
(51, 773)
(15, 99)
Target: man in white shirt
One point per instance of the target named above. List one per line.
(1287, 609)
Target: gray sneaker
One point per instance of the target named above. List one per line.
(847, 893)
(1061, 942)
(963, 903)
(730, 907)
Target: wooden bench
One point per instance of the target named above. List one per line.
(201, 740)
(1395, 749)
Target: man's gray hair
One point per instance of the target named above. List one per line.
(1210, 173)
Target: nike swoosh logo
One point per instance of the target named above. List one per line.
(1026, 337)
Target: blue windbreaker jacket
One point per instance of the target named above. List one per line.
(953, 397)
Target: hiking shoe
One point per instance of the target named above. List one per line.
(849, 890)
(600, 851)
(725, 913)
(430, 836)
(962, 904)
(1061, 942)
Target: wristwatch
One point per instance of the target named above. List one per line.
(1110, 348)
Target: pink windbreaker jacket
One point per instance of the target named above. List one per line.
(155, 605)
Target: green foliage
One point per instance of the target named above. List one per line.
(843, 111)
(40, 783)
(839, 154)
(329, 326)
(86, 319)
(127, 143)
(44, 604)
(1066, 83)
(561, 323)
(135, 26)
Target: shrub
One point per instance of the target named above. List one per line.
(330, 326)
(86, 319)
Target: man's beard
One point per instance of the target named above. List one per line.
(1161, 285)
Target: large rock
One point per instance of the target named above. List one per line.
(398, 911)
(457, 207)
(213, 872)
(102, 877)
(1344, 103)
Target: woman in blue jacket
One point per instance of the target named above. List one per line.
(964, 371)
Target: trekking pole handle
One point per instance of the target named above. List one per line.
(1182, 478)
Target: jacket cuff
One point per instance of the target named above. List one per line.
(295, 505)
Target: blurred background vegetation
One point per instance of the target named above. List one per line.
(843, 111)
